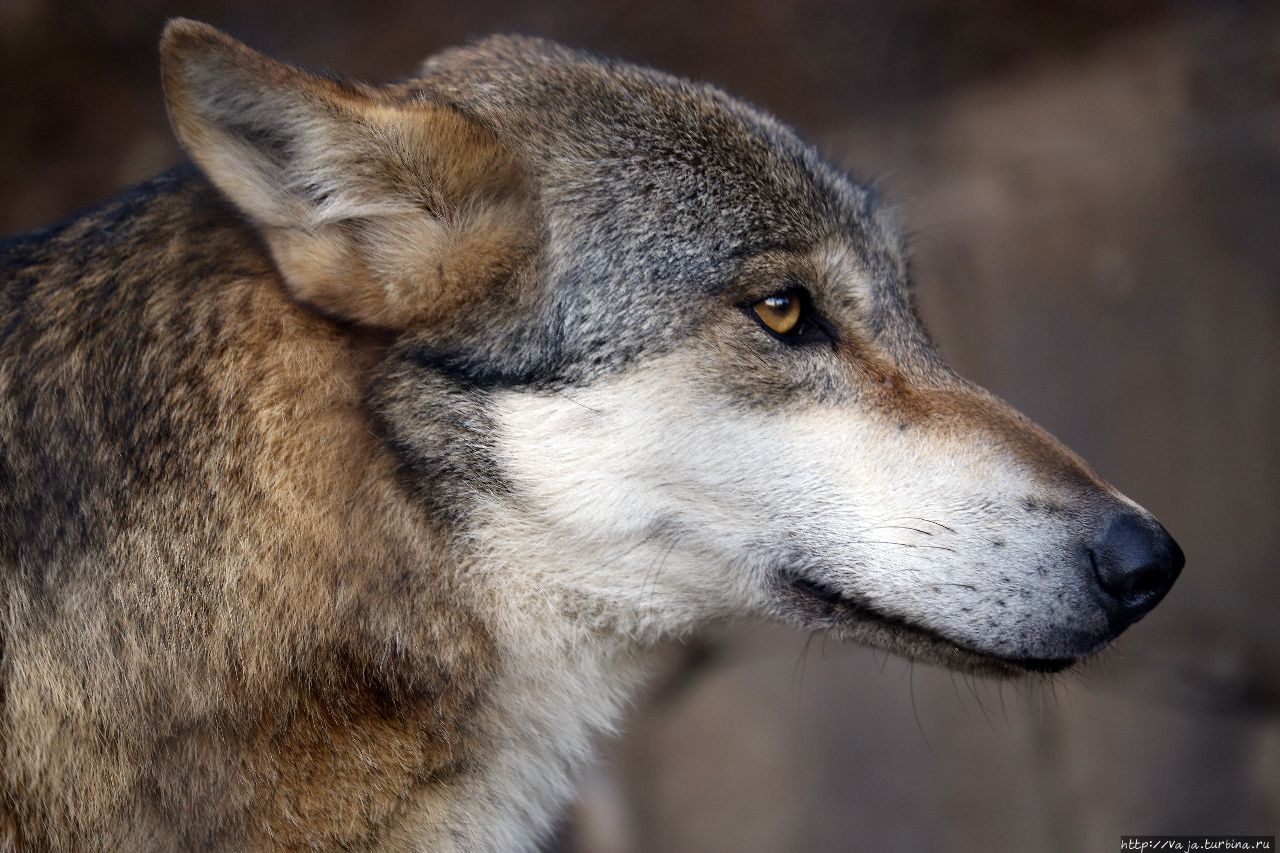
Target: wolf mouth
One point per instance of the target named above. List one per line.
(819, 605)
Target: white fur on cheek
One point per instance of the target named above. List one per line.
(619, 514)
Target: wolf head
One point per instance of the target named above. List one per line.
(649, 347)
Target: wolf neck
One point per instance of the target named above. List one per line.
(559, 684)
(571, 656)
(559, 688)
(555, 679)
(568, 647)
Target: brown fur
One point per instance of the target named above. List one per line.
(276, 664)
(287, 658)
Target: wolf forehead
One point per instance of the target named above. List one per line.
(649, 185)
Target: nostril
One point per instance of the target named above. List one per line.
(1135, 561)
(1144, 580)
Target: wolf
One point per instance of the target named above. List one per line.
(347, 475)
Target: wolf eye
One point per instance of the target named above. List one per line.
(788, 315)
(780, 313)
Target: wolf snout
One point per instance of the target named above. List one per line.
(1135, 562)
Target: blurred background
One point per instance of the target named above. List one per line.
(1093, 193)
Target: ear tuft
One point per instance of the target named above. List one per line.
(184, 36)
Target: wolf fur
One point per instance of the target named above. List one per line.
(346, 476)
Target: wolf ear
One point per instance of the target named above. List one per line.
(380, 211)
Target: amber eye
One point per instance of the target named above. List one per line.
(789, 316)
(780, 313)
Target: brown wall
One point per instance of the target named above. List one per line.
(1094, 190)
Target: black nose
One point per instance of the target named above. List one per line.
(1135, 561)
